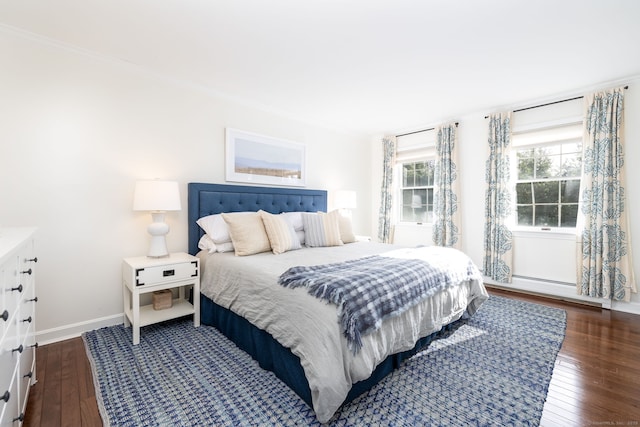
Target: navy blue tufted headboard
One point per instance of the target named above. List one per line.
(208, 199)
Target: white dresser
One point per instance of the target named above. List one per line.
(17, 322)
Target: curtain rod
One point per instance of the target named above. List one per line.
(549, 103)
(418, 131)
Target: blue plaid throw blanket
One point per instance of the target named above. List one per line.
(371, 289)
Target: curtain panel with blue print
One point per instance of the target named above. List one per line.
(498, 254)
(386, 190)
(605, 262)
(446, 215)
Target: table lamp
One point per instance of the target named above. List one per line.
(345, 199)
(157, 197)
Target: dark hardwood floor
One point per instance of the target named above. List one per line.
(596, 381)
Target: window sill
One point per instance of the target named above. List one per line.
(541, 232)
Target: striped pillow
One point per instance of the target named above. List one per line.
(282, 235)
(321, 229)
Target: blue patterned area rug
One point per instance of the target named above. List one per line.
(493, 370)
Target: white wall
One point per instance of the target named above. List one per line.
(77, 131)
(540, 259)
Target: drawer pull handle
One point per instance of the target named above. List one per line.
(195, 270)
(5, 315)
(29, 271)
(19, 418)
(19, 288)
(33, 300)
(32, 260)
(6, 396)
(34, 345)
(29, 375)
(168, 273)
(18, 349)
(28, 319)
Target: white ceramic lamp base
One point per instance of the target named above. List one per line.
(158, 229)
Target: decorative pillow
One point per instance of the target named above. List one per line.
(281, 233)
(206, 244)
(247, 233)
(344, 224)
(295, 219)
(225, 247)
(321, 229)
(215, 227)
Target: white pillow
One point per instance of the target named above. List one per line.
(295, 219)
(225, 247)
(281, 233)
(206, 244)
(247, 233)
(321, 229)
(215, 227)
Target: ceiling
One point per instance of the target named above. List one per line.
(365, 66)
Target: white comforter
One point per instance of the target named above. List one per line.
(309, 327)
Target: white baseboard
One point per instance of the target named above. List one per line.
(565, 292)
(61, 333)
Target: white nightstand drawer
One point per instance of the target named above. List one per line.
(166, 273)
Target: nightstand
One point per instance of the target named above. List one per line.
(143, 275)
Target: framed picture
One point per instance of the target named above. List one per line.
(259, 159)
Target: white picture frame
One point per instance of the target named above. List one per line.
(258, 159)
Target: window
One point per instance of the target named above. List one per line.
(415, 162)
(548, 185)
(547, 143)
(417, 191)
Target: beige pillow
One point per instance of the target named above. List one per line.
(282, 235)
(344, 224)
(247, 233)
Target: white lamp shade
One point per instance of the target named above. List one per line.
(156, 195)
(345, 199)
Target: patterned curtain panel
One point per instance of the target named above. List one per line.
(498, 255)
(605, 260)
(446, 217)
(384, 216)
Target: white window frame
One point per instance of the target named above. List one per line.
(412, 148)
(549, 125)
(400, 194)
(558, 229)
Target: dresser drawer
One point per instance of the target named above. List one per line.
(11, 287)
(27, 317)
(166, 273)
(9, 410)
(8, 361)
(25, 376)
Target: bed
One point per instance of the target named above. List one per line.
(240, 298)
